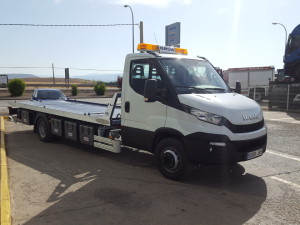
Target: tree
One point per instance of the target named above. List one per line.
(100, 88)
(74, 89)
(16, 87)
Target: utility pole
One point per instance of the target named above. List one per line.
(141, 32)
(128, 6)
(53, 73)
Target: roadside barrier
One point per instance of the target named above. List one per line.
(285, 96)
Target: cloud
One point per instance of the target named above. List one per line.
(57, 1)
(156, 3)
(223, 11)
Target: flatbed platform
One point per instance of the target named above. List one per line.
(79, 110)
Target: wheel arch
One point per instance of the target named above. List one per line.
(164, 133)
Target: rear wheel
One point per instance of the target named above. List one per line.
(43, 130)
(172, 160)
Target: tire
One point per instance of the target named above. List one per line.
(43, 130)
(172, 160)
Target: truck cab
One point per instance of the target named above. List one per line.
(179, 108)
(292, 55)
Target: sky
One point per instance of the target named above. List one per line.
(230, 33)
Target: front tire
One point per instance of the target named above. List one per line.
(43, 130)
(172, 160)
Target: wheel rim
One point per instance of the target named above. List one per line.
(257, 96)
(170, 160)
(42, 129)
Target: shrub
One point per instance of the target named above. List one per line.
(100, 88)
(119, 81)
(74, 89)
(16, 87)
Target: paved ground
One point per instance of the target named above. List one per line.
(65, 183)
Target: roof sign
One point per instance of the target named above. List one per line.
(161, 49)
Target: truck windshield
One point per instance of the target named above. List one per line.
(193, 76)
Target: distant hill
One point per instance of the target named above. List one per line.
(99, 77)
(93, 76)
(14, 76)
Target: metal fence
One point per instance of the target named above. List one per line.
(284, 96)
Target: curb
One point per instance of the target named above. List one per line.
(5, 196)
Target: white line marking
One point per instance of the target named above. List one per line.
(284, 155)
(283, 118)
(295, 122)
(286, 182)
(287, 120)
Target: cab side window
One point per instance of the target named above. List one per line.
(140, 72)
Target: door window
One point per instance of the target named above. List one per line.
(142, 70)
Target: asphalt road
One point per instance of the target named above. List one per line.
(66, 183)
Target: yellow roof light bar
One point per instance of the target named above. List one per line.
(161, 49)
(181, 51)
(147, 47)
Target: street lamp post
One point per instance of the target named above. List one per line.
(132, 26)
(285, 31)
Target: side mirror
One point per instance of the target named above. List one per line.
(238, 88)
(150, 91)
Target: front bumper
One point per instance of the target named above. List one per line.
(218, 149)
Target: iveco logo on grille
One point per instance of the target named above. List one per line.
(251, 116)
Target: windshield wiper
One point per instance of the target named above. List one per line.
(195, 88)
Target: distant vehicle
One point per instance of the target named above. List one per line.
(3, 80)
(48, 94)
(253, 80)
(292, 55)
(285, 90)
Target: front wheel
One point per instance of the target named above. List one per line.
(172, 160)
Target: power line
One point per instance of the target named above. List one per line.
(38, 67)
(67, 25)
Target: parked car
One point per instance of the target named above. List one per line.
(48, 94)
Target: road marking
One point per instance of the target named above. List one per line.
(286, 182)
(284, 155)
(285, 120)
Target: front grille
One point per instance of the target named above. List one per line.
(244, 128)
(250, 145)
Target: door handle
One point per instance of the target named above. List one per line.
(127, 106)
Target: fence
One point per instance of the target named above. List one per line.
(284, 96)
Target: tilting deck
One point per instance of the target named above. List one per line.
(104, 114)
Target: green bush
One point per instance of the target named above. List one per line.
(100, 88)
(74, 89)
(16, 87)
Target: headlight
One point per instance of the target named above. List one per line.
(206, 116)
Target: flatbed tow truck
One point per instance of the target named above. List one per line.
(174, 106)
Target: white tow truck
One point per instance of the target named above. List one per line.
(172, 105)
